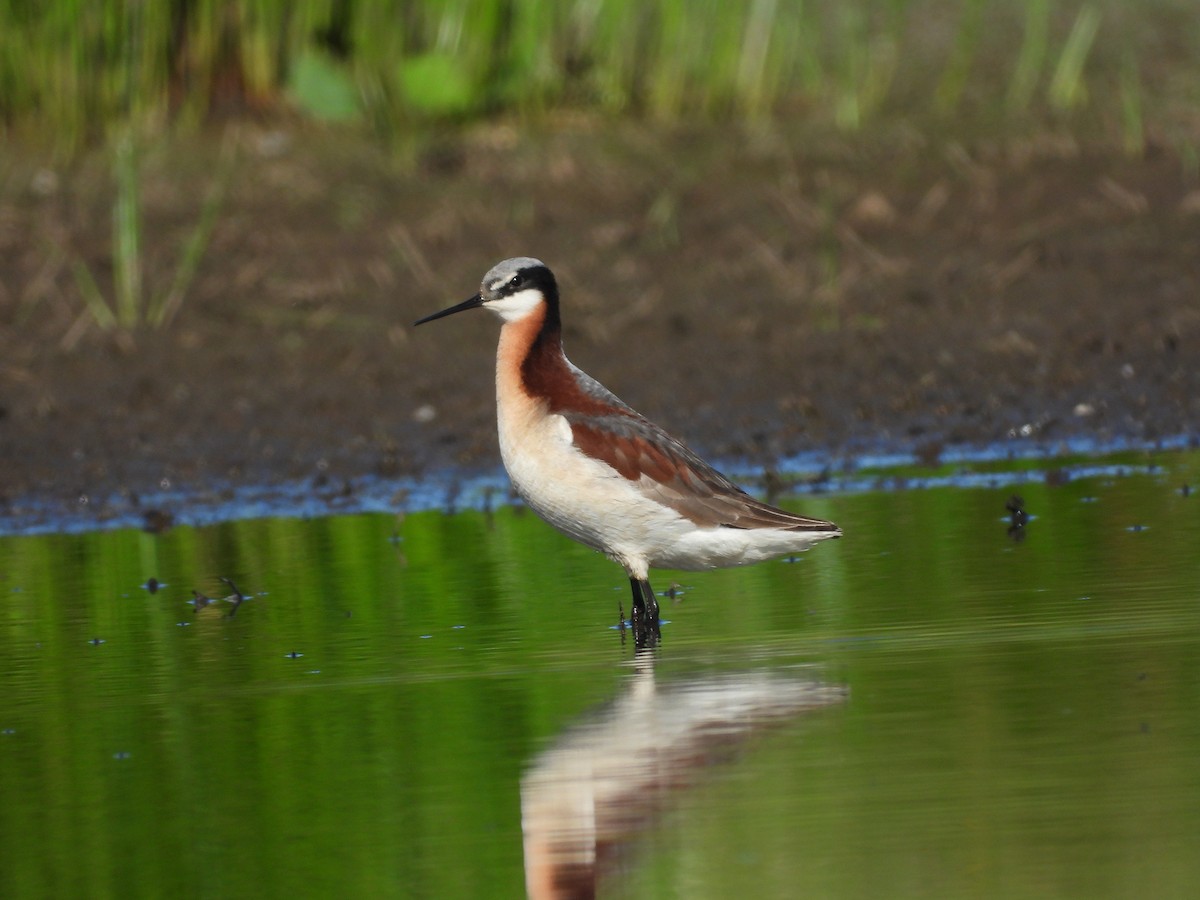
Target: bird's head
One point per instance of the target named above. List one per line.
(512, 289)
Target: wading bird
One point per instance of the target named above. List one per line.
(603, 474)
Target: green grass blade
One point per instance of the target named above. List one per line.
(1133, 125)
(93, 297)
(127, 262)
(754, 95)
(963, 54)
(164, 309)
(1067, 89)
(1031, 58)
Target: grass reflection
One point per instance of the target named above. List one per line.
(1021, 718)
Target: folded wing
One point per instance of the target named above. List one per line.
(668, 471)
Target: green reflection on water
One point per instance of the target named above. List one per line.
(1022, 720)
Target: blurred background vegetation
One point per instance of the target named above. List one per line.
(72, 70)
(123, 80)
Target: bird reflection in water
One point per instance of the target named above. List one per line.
(587, 795)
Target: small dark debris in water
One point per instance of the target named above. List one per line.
(674, 592)
(152, 585)
(199, 600)
(1088, 499)
(295, 654)
(1185, 491)
(156, 521)
(184, 624)
(1017, 517)
(8, 731)
(97, 641)
(1145, 728)
(1142, 676)
(1138, 528)
(122, 754)
(238, 597)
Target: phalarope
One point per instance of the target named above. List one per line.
(600, 472)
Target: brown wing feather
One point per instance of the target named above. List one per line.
(641, 451)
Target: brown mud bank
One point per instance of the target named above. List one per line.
(758, 294)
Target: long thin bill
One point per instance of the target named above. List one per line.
(469, 303)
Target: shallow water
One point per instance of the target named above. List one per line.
(441, 705)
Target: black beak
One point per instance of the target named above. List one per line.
(469, 303)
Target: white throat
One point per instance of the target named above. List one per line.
(516, 306)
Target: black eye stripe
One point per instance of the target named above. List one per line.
(516, 281)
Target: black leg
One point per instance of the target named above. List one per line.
(645, 614)
(644, 600)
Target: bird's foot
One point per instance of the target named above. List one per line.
(646, 634)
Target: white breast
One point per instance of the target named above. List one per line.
(581, 497)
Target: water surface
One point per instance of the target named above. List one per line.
(929, 707)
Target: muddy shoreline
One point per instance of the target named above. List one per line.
(761, 295)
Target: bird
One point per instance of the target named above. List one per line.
(600, 472)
